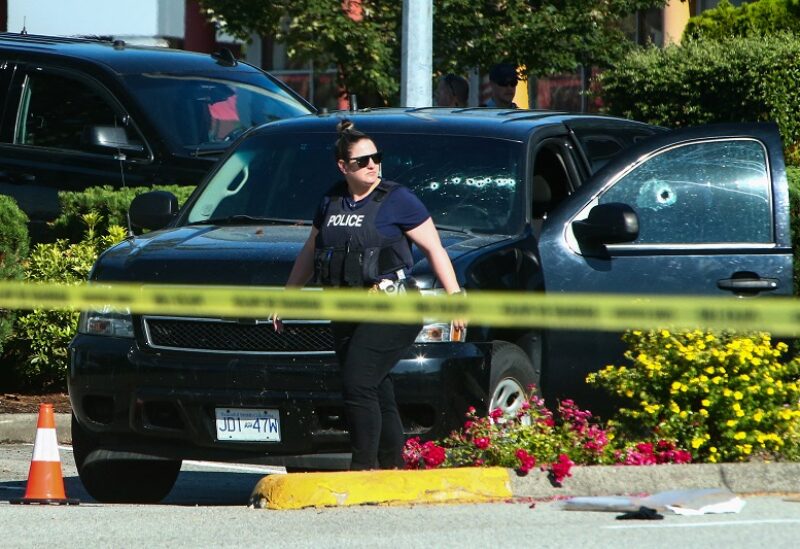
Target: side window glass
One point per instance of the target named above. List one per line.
(709, 192)
(64, 113)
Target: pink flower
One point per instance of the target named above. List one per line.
(427, 455)
(497, 413)
(471, 410)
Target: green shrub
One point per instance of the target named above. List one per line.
(705, 81)
(793, 177)
(13, 249)
(39, 344)
(110, 203)
(723, 396)
(749, 19)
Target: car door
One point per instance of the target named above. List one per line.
(64, 131)
(712, 209)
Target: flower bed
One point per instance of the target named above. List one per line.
(691, 396)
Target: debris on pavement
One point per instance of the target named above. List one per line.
(700, 501)
(644, 513)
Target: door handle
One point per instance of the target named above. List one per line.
(751, 283)
(17, 178)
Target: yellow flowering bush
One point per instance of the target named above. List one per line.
(724, 396)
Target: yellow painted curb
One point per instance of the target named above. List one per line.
(460, 485)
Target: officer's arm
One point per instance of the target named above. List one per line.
(426, 237)
(303, 266)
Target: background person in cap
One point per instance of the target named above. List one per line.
(503, 80)
(452, 91)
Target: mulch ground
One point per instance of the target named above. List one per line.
(14, 403)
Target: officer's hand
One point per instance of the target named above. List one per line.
(277, 323)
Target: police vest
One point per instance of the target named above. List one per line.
(349, 250)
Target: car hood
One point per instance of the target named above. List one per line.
(239, 255)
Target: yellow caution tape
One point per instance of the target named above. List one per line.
(780, 316)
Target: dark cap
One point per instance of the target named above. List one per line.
(504, 74)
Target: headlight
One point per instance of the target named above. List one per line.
(106, 322)
(438, 332)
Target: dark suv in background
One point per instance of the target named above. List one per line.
(523, 200)
(75, 113)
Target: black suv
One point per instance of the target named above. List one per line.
(77, 112)
(523, 200)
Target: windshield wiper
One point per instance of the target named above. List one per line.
(453, 228)
(241, 219)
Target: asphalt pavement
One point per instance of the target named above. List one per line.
(740, 478)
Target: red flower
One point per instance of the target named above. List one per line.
(561, 469)
(497, 413)
(482, 442)
(433, 455)
(526, 461)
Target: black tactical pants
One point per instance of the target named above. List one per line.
(366, 353)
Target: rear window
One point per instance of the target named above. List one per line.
(467, 183)
(199, 113)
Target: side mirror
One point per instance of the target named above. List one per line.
(110, 137)
(610, 223)
(153, 210)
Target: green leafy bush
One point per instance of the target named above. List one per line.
(793, 177)
(742, 79)
(39, 344)
(13, 249)
(110, 203)
(751, 18)
(723, 396)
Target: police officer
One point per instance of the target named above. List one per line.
(361, 237)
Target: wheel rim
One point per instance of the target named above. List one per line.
(509, 396)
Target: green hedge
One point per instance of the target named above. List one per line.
(109, 203)
(752, 18)
(705, 81)
(13, 250)
(793, 175)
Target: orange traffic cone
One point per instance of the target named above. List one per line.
(45, 482)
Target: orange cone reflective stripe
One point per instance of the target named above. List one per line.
(45, 480)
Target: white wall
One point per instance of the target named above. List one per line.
(97, 17)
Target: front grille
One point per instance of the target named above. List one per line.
(230, 336)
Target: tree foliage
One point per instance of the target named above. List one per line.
(546, 36)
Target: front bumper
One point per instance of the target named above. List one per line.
(158, 403)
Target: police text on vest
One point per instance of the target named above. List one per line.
(349, 220)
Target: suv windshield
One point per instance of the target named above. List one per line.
(467, 183)
(201, 113)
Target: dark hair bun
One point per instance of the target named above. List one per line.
(345, 126)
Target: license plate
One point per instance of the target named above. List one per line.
(248, 424)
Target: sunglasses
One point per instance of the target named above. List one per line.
(363, 161)
(508, 83)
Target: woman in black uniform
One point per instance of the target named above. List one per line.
(361, 237)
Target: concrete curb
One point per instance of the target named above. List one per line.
(21, 428)
(299, 490)
(461, 485)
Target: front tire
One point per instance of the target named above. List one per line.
(110, 480)
(511, 377)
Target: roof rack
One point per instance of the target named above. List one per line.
(41, 39)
